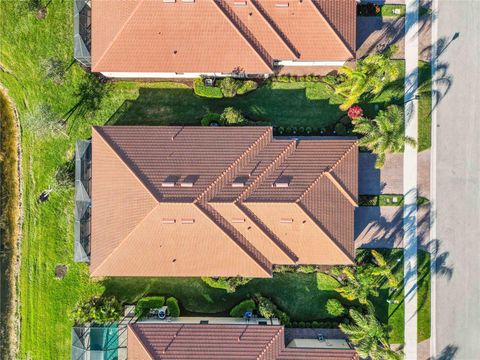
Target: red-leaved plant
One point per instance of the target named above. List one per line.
(355, 112)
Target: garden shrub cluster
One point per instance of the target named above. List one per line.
(268, 310)
(173, 307)
(334, 307)
(227, 87)
(306, 269)
(206, 91)
(145, 304)
(239, 310)
(293, 78)
(229, 284)
(314, 324)
(98, 310)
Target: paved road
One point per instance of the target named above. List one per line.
(456, 305)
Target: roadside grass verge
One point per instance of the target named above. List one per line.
(387, 200)
(9, 225)
(424, 106)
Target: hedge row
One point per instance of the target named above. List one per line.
(235, 87)
(173, 308)
(292, 78)
(145, 304)
(314, 324)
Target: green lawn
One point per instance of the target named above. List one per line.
(424, 106)
(388, 10)
(48, 228)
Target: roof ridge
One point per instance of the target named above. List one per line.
(236, 237)
(232, 165)
(123, 241)
(257, 179)
(328, 170)
(115, 149)
(276, 29)
(317, 6)
(140, 341)
(120, 31)
(325, 231)
(244, 32)
(266, 230)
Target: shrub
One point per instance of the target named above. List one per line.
(230, 86)
(145, 304)
(210, 118)
(293, 78)
(200, 89)
(340, 129)
(97, 310)
(283, 269)
(266, 308)
(355, 112)
(308, 130)
(65, 174)
(301, 324)
(281, 130)
(231, 116)
(294, 130)
(316, 78)
(247, 86)
(306, 269)
(301, 130)
(334, 307)
(173, 308)
(315, 324)
(345, 120)
(302, 79)
(229, 284)
(239, 310)
(308, 78)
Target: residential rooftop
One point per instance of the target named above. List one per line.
(218, 201)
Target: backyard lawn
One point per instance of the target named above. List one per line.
(46, 302)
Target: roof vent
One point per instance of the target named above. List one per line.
(168, 221)
(189, 181)
(188, 221)
(281, 5)
(240, 181)
(170, 181)
(286, 220)
(169, 1)
(238, 220)
(188, 1)
(283, 181)
(240, 3)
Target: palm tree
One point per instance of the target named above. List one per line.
(382, 269)
(384, 134)
(369, 336)
(370, 75)
(360, 284)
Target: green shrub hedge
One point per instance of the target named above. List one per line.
(173, 308)
(210, 118)
(145, 304)
(239, 310)
(247, 86)
(206, 91)
(229, 284)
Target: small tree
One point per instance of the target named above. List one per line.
(266, 308)
(173, 308)
(355, 112)
(230, 86)
(232, 116)
(334, 307)
(359, 284)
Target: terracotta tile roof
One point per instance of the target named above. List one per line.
(166, 198)
(155, 341)
(213, 35)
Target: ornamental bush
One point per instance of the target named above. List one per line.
(97, 310)
(266, 308)
(230, 86)
(231, 116)
(334, 307)
(239, 310)
(145, 304)
(247, 86)
(306, 269)
(173, 308)
(200, 89)
(340, 129)
(355, 112)
(210, 118)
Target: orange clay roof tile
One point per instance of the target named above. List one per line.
(140, 227)
(218, 36)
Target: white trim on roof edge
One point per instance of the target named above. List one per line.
(309, 63)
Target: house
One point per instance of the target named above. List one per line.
(214, 201)
(159, 341)
(191, 38)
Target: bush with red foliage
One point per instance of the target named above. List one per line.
(355, 112)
